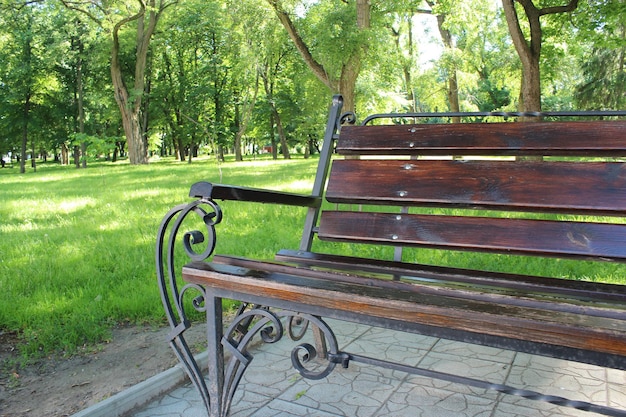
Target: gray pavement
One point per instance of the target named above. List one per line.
(271, 387)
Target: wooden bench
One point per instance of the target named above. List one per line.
(451, 187)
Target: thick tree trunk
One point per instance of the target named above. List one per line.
(347, 82)
(530, 90)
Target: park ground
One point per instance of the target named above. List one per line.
(58, 386)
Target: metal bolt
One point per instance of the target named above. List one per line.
(394, 237)
(411, 144)
(402, 193)
(398, 217)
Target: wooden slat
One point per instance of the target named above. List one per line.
(586, 289)
(605, 335)
(518, 236)
(480, 287)
(586, 138)
(598, 188)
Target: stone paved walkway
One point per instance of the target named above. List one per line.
(271, 387)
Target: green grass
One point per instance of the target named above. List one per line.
(77, 246)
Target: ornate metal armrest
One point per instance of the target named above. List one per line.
(172, 296)
(203, 213)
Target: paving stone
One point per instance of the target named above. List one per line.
(271, 387)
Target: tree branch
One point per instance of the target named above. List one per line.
(571, 6)
(316, 67)
(517, 36)
(81, 7)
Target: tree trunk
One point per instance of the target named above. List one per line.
(347, 82)
(530, 90)
(64, 154)
(281, 133)
(181, 149)
(406, 60)
(25, 120)
(245, 116)
(238, 135)
(453, 83)
(529, 51)
(80, 96)
(273, 137)
(33, 159)
(130, 107)
(76, 156)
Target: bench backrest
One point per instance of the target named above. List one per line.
(415, 167)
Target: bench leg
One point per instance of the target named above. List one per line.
(215, 352)
(224, 376)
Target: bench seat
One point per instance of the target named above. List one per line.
(477, 308)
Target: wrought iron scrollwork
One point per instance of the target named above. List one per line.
(172, 296)
(250, 320)
(269, 326)
(348, 117)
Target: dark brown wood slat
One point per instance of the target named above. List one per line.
(586, 138)
(539, 326)
(517, 236)
(594, 188)
(585, 289)
(493, 292)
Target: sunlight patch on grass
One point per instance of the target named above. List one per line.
(301, 186)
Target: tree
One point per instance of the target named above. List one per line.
(483, 58)
(25, 73)
(439, 8)
(602, 28)
(529, 50)
(353, 48)
(144, 15)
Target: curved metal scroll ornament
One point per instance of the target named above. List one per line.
(348, 117)
(269, 325)
(171, 296)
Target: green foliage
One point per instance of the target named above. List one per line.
(602, 32)
(208, 60)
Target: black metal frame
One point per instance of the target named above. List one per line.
(270, 318)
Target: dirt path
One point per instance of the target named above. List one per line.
(61, 387)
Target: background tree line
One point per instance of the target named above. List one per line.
(134, 78)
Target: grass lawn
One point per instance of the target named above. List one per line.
(77, 246)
